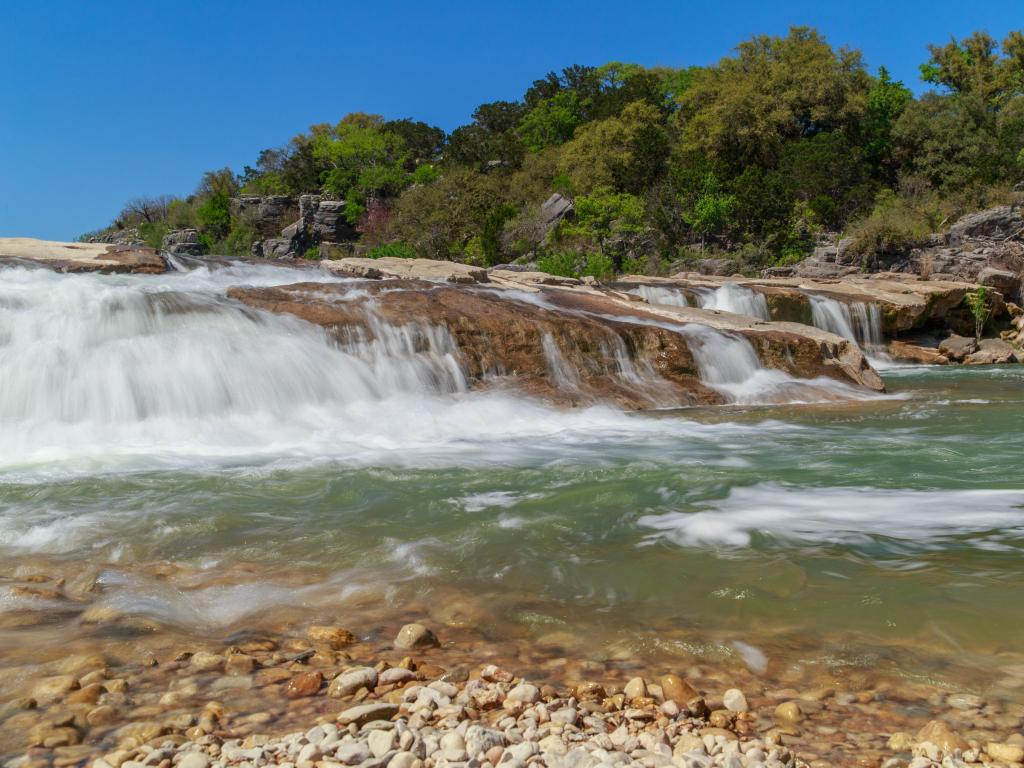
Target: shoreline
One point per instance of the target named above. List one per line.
(241, 703)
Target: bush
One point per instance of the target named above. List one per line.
(393, 250)
(562, 264)
(892, 229)
(153, 233)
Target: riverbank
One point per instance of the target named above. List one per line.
(333, 697)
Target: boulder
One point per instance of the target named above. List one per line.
(329, 223)
(182, 242)
(276, 248)
(719, 267)
(416, 269)
(81, 257)
(915, 353)
(1000, 279)
(527, 278)
(267, 215)
(1002, 222)
(555, 208)
(958, 347)
(993, 352)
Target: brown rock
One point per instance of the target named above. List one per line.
(590, 691)
(674, 688)
(238, 664)
(913, 353)
(788, 712)
(90, 694)
(942, 735)
(102, 715)
(52, 689)
(333, 637)
(1005, 753)
(306, 684)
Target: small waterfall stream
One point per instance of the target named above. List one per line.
(734, 298)
(860, 322)
(657, 294)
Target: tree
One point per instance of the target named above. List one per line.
(711, 210)
(491, 137)
(886, 101)
(977, 302)
(147, 210)
(551, 122)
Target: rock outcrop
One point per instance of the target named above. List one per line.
(291, 227)
(567, 343)
(182, 242)
(81, 257)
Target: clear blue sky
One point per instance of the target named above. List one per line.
(103, 100)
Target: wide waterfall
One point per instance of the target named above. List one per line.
(860, 322)
(734, 298)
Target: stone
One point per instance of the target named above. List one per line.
(82, 257)
(958, 347)
(381, 742)
(1005, 753)
(303, 685)
(52, 689)
(636, 688)
(404, 760)
(525, 693)
(104, 714)
(395, 675)
(674, 688)
(417, 269)
(480, 740)
(352, 752)
(965, 701)
(266, 215)
(993, 352)
(238, 664)
(788, 712)
(182, 242)
(206, 662)
(556, 208)
(453, 747)
(414, 636)
(998, 223)
(1000, 279)
(333, 637)
(365, 713)
(194, 760)
(352, 680)
(915, 353)
(590, 691)
(942, 735)
(735, 701)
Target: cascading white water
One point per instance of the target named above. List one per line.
(656, 294)
(729, 364)
(860, 322)
(562, 373)
(734, 298)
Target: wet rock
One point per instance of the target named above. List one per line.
(1005, 753)
(788, 712)
(239, 664)
(52, 689)
(206, 662)
(992, 352)
(418, 269)
(303, 685)
(352, 680)
(332, 637)
(674, 688)
(914, 353)
(413, 636)
(82, 257)
(735, 701)
(942, 735)
(525, 693)
(635, 689)
(366, 713)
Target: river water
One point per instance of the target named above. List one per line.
(217, 470)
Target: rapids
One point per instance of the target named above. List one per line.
(151, 420)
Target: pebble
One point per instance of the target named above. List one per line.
(302, 685)
(674, 688)
(415, 636)
(735, 701)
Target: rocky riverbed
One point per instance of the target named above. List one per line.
(334, 698)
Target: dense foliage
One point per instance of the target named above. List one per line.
(753, 157)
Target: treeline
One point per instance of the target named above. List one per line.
(754, 157)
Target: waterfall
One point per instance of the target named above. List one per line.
(734, 298)
(657, 294)
(860, 322)
(563, 375)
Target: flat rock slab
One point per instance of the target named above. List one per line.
(82, 257)
(415, 269)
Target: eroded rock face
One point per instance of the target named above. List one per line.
(414, 269)
(81, 257)
(567, 344)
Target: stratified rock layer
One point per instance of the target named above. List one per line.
(81, 257)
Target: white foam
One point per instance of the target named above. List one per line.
(736, 299)
(845, 516)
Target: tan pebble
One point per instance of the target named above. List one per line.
(96, 676)
(722, 718)
(117, 685)
(788, 712)
(940, 734)
(206, 662)
(415, 636)
(635, 689)
(239, 664)
(90, 694)
(51, 689)
(332, 637)
(901, 742)
(101, 715)
(589, 691)
(1005, 753)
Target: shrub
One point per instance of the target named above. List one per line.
(977, 302)
(892, 228)
(599, 266)
(562, 264)
(393, 250)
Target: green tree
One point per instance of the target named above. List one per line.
(551, 122)
(977, 302)
(213, 216)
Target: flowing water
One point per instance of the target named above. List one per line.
(219, 468)
(860, 322)
(734, 298)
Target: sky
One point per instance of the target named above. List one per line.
(105, 100)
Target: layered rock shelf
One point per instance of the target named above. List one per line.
(81, 257)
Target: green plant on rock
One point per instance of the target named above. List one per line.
(977, 302)
(392, 250)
